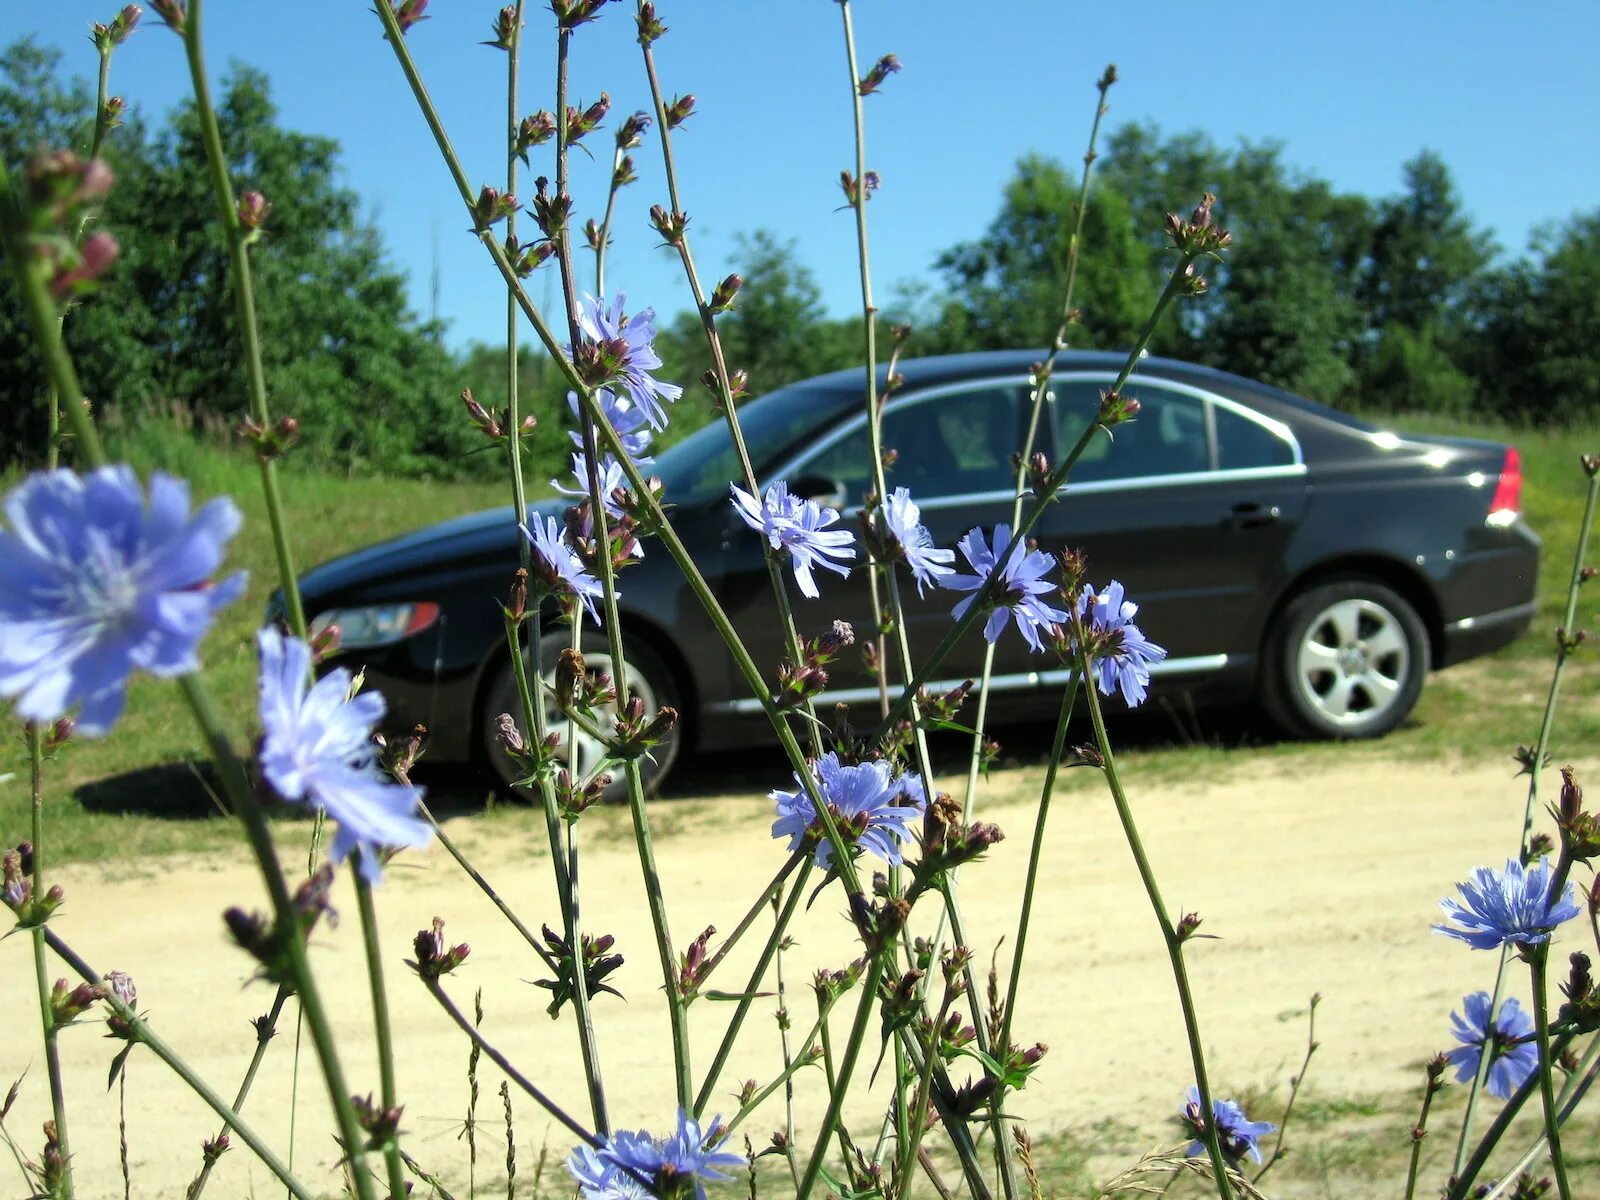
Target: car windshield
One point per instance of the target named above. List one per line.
(698, 469)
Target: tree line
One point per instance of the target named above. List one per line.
(1379, 304)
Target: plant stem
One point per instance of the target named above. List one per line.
(381, 1028)
(1541, 749)
(264, 1034)
(41, 973)
(779, 930)
(1463, 1180)
(1169, 935)
(841, 1081)
(244, 298)
(1546, 1069)
(1430, 1088)
(501, 1061)
(142, 1033)
(1069, 698)
(1294, 1089)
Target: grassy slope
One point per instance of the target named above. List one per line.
(1478, 709)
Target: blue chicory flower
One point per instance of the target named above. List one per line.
(1236, 1133)
(1513, 905)
(317, 750)
(558, 566)
(1022, 582)
(1513, 1054)
(632, 341)
(902, 518)
(95, 583)
(676, 1166)
(800, 527)
(611, 478)
(1123, 654)
(872, 809)
(633, 430)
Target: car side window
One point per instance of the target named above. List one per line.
(955, 444)
(1243, 444)
(1167, 438)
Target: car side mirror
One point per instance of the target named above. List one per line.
(829, 492)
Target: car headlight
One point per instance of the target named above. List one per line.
(376, 624)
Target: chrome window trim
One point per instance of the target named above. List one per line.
(1273, 426)
(1200, 664)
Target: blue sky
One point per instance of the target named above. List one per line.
(1508, 95)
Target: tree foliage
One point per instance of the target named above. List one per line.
(370, 384)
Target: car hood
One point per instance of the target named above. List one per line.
(463, 541)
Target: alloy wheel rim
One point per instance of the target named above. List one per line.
(1352, 662)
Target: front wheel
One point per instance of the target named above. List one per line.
(1346, 659)
(648, 678)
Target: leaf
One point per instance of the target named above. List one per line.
(117, 1064)
(736, 995)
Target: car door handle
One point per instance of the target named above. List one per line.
(1251, 515)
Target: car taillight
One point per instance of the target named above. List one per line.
(1507, 502)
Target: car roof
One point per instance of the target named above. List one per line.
(935, 370)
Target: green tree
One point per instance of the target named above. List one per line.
(1005, 289)
(1535, 348)
(372, 386)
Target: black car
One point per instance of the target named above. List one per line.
(1278, 549)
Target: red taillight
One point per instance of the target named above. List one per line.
(426, 612)
(1508, 492)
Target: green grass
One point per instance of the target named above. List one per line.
(131, 797)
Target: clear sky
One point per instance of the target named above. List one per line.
(1509, 95)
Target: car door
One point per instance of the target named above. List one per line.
(1191, 505)
(951, 446)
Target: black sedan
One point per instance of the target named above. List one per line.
(1277, 548)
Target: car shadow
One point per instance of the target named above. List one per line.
(187, 791)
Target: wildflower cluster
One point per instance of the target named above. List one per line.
(1510, 906)
(1508, 1040)
(618, 351)
(871, 807)
(1236, 1133)
(799, 527)
(633, 1165)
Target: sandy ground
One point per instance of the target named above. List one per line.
(1324, 883)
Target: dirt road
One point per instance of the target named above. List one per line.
(1318, 884)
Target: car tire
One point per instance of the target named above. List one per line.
(648, 678)
(1345, 659)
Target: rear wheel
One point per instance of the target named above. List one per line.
(648, 678)
(1346, 659)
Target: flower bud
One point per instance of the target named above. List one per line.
(680, 110)
(66, 1005)
(650, 26)
(669, 226)
(408, 12)
(172, 12)
(434, 956)
(572, 13)
(631, 132)
(491, 206)
(215, 1148)
(534, 130)
(584, 121)
(95, 256)
(722, 296)
(253, 209)
(505, 29)
(881, 70)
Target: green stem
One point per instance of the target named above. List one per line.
(264, 1035)
(1462, 1181)
(381, 1028)
(1418, 1131)
(656, 516)
(1069, 698)
(488, 890)
(1546, 1069)
(1169, 935)
(840, 1083)
(142, 1033)
(500, 1060)
(779, 930)
(52, 1056)
(244, 298)
(1541, 748)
